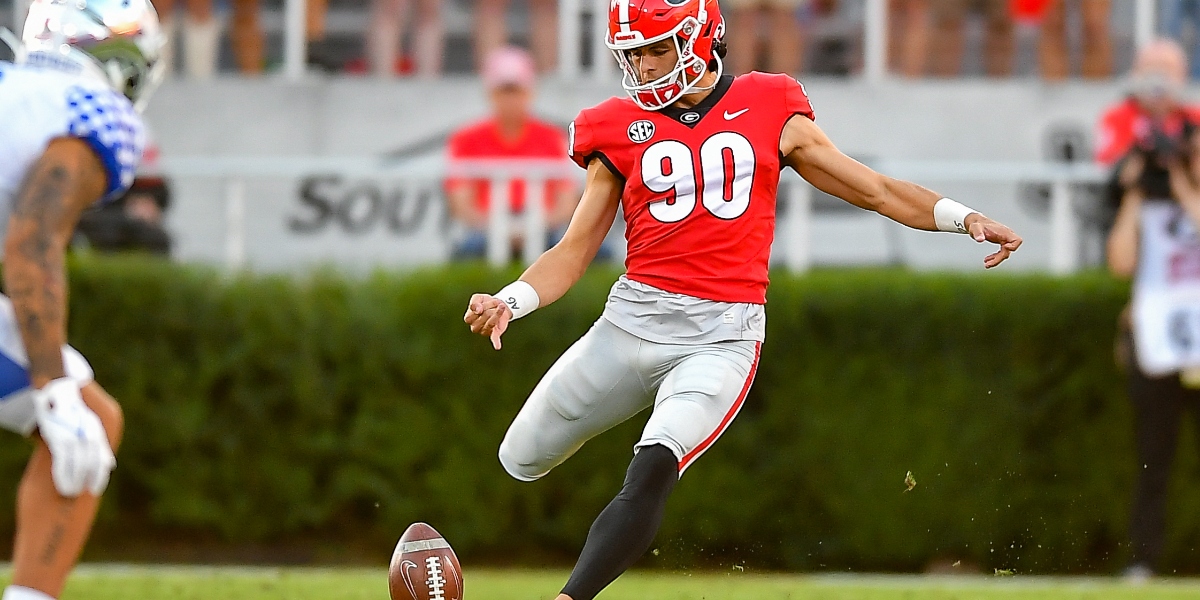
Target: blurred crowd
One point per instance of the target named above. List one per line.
(928, 36)
(1055, 39)
(393, 37)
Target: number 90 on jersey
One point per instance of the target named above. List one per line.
(723, 181)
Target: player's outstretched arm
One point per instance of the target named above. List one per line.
(65, 180)
(810, 152)
(552, 274)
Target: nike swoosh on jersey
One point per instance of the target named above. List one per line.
(731, 116)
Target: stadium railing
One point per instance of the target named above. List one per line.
(793, 228)
(573, 13)
(573, 36)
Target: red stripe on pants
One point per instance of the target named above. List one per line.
(691, 457)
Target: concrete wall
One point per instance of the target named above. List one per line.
(920, 120)
(975, 120)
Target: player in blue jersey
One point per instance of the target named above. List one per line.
(70, 137)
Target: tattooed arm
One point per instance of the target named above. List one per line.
(68, 178)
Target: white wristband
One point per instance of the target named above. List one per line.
(520, 297)
(951, 216)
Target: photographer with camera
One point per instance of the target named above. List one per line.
(1151, 138)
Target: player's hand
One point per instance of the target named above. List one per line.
(488, 316)
(1184, 185)
(1131, 171)
(983, 229)
(80, 457)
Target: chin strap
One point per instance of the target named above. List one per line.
(716, 80)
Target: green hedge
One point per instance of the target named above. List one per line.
(322, 414)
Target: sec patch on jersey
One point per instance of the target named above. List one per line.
(424, 567)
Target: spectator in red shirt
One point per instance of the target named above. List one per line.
(512, 132)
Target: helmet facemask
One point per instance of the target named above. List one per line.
(664, 91)
(126, 68)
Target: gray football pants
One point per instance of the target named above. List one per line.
(610, 375)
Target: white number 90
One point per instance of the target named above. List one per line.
(727, 170)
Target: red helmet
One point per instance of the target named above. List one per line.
(695, 25)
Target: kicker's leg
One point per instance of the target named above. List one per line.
(627, 526)
(593, 386)
(51, 529)
(699, 396)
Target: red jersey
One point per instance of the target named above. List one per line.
(483, 141)
(700, 183)
(1126, 123)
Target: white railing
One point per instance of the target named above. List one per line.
(793, 229)
(295, 46)
(875, 44)
(235, 171)
(571, 14)
(1064, 224)
(500, 174)
(1145, 24)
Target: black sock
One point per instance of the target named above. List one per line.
(627, 526)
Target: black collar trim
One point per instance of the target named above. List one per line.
(682, 115)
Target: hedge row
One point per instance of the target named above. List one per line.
(327, 412)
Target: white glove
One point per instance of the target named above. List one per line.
(80, 457)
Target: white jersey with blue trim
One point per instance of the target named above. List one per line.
(38, 105)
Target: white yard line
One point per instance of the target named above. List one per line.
(849, 580)
(119, 569)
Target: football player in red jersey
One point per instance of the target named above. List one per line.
(693, 158)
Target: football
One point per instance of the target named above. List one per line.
(424, 567)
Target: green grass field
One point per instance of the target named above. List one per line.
(198, 583)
